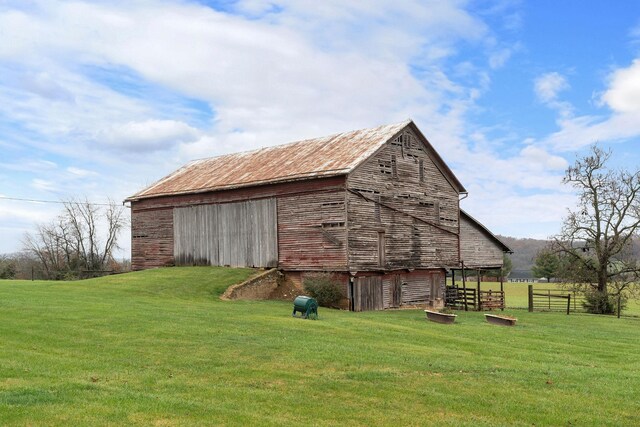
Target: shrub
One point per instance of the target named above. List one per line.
(596, 302)
(324, 287)
(8, 270)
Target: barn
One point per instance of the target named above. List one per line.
(377, 207)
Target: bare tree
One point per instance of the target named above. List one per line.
(82, 238)
(596, 240)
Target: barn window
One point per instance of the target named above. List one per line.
(139, 235)
(427, 204)
(421, 169)
(444, 220)
(332, 224)
(385, 167)
(406, 141)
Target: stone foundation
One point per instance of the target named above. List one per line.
(256, 288)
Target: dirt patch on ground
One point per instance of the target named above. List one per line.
(286, 290)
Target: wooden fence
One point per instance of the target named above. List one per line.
(474, 299)
(491, 300)
(460, 298)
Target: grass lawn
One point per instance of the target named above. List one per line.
(159, 348)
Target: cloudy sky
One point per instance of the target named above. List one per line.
(98, 99)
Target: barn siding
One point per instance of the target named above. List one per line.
(151, 238)
(241, 194)
(418, 287)
(476, 248)
(417, 211)
(153, 217)
(241, 234)
(312, 231)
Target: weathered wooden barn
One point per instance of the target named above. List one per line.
(378, 207)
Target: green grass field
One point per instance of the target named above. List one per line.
(159, 348)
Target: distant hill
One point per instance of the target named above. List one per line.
(524, 251)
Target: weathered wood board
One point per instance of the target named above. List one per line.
(241, 234)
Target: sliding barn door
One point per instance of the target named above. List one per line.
(242, 234)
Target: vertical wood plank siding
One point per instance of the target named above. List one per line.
(406, 202)
(476, 248)
(234, 234)
(368, 293)
(312, 231)
(416, 287)
(152, 219)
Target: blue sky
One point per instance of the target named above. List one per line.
(99, 99)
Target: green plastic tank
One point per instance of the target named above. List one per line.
(306, 306)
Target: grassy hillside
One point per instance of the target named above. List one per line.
(159, 348)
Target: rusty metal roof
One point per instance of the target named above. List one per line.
(312, 158)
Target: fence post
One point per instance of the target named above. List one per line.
(619, 306)
(568, 304)
(502, 290)
(530, 297)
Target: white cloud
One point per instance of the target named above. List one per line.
(520, 216)
(499, 58)
(623, 94)
(44, 185)
(29, 165)
(549, 85)
(539, 156)
(79, 172)
(301, 69)
(148, 135)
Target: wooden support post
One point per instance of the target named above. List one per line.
(504, 300)
(464, 288)
(568, 304)
(530, 297)
(478, 306)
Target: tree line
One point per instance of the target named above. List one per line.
(80, 242)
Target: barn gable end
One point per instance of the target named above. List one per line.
(401, 200)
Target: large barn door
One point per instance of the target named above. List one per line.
(368, 293)
(242, 234)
